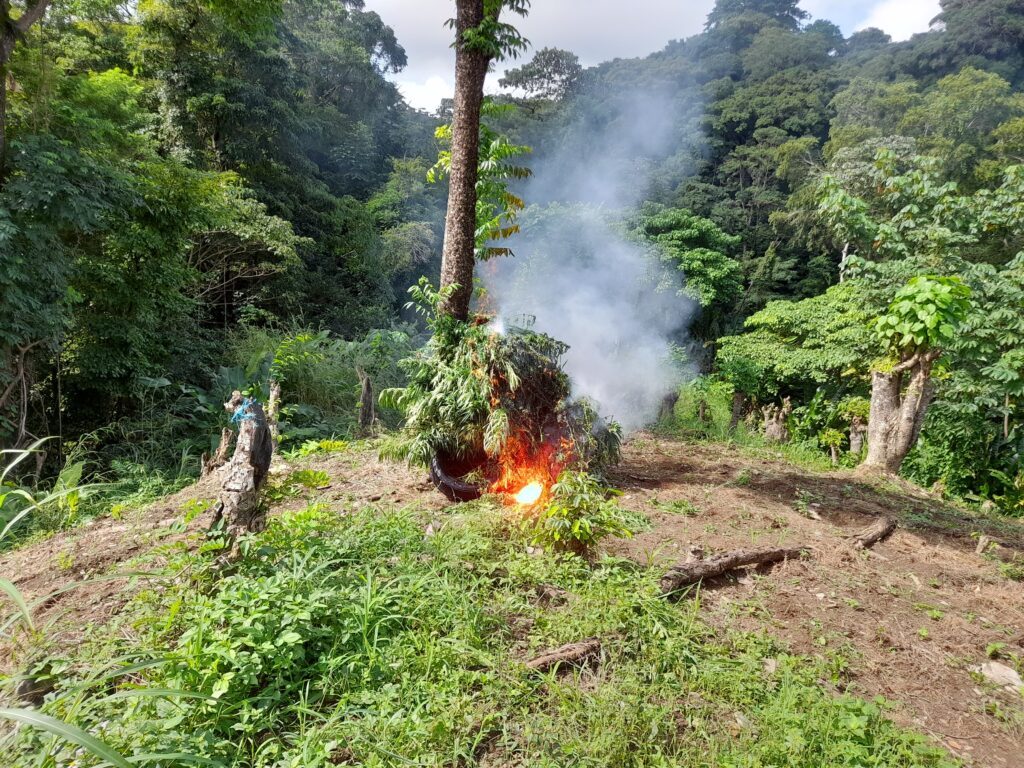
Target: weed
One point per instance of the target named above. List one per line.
(579, 515)
(1012, 571)
(319, 447)
(292, 486)
(677, 507)
(65, 560)
(930, 611)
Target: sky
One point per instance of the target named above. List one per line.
(601, 31)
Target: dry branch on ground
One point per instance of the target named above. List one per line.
(687, 574)
(874, 533)
(573, 654)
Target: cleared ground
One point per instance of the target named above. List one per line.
(907, 621)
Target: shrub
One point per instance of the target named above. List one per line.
(581, 513)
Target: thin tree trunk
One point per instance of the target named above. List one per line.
(459, 253)
(738, 401)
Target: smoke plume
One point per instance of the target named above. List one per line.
(579, 277)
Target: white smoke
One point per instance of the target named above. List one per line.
(600, 295)
(583, 280)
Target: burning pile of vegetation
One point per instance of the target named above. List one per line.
(495, 410)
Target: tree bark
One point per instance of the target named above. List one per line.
(897, 416)
(459, 254)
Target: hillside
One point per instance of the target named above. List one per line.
(720, 672)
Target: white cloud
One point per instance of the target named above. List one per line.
(427, 94)
(599, 30)
(902, 18)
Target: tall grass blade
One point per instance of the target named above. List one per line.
(19, 600)
(66, 732)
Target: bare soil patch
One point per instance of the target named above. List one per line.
(910, 617)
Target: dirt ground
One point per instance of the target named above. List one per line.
(911, 617)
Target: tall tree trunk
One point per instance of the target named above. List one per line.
(460, 222)
(897, 416)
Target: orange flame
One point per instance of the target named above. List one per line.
(530, 494)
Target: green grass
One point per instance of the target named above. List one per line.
(358, 640)
(687, 425)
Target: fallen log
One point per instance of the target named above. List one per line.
(686, 574)
(573, 654)
(873, 534)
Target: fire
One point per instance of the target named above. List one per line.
(530, 494)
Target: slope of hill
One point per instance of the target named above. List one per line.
(373, 625)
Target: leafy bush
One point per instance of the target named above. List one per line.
(580, 513)
(472, 392)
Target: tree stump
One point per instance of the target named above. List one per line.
(858, 432)
(775, 417)
(667, 409)
(239, 505)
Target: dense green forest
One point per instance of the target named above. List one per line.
(197, 198)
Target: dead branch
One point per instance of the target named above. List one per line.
(573, 654)
(873, 534)
(686, 574)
